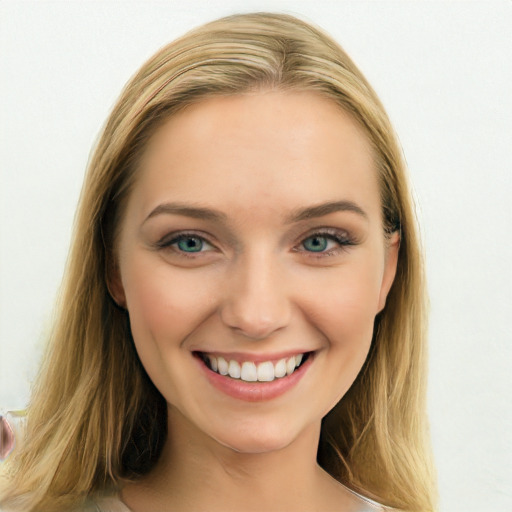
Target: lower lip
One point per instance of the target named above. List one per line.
(255, 391)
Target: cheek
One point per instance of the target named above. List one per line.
(347, 322)
(165, 305)
(346, 303)
(343, 310)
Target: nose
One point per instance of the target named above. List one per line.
(256, 302)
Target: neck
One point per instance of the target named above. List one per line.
(195, 472)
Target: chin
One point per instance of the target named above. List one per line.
(259, 438)
(256, 444)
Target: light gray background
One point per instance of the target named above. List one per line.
(443, 70)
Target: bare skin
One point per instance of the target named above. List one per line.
(253, 230)
(200, 474)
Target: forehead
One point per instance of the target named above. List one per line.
(272, 150)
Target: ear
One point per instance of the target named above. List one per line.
(114, 281)
(390, 264)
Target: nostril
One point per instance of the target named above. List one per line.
(254, 325)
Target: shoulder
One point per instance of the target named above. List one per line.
(104, 504)
(368, 505)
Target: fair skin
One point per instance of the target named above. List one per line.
(253, 234)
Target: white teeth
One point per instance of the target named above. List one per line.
(290, 365)
(222, 366)
(280, 368)
(266, 372)
(234, 370)
(249, 373)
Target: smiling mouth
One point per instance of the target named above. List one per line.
(248, 371)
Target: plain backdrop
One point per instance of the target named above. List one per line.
(443, 71)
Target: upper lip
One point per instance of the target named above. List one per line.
(252, 357)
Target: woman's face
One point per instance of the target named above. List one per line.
(253, 238)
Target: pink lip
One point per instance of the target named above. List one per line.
(255, 391)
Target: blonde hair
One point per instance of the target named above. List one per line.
(95, 419)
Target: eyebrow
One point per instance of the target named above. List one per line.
(298, 215)
(186, 210)
(325, 209)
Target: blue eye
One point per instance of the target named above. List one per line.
(327, 242)
(185, 244)
(316, 243)
(189, 243)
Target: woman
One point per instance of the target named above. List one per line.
(242, 319)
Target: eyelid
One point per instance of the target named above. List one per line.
(329, 232)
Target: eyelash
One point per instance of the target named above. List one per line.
(342, 238)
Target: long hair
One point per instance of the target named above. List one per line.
(95, 419)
